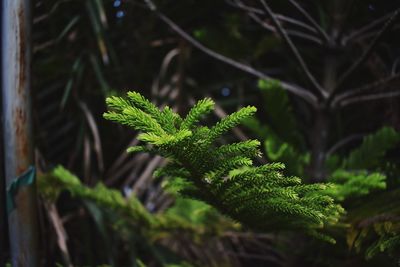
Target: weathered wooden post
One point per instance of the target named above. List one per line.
(17, 133)
(3, 216)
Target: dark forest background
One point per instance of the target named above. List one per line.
(332, 65)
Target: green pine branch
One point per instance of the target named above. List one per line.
(372, 149)
(260, 197)
(130, 213)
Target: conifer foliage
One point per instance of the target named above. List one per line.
(184, 217)
(260, 197)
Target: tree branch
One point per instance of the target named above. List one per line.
(295, 22)
(252, 11)
(348, 11)
(370, 48)
(246, 8)
(289, 32)
(293, 48)
(299, 91)
(343, 142)
(281, 17)
(371, 97)
(367, 35)
(61, 234)
(321, 32)
(362, 89)
(366, 28)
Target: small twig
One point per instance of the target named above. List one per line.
(141, 182)
(371, 34)
(151, 5)
(383, 82)
(244, 7)
(369, 98)
(343, 142)
(86, 160)
(289, 32)
(54, 8)
(348, 11)
(366, 28)
(295, 89)
(60, 232)
(95, 133)
(319, 29)
(116, 166)
(295, 22)
(370, 48)
(42, 46)
(165, 64)
(293, 48)
(364, 37)
(281, 17)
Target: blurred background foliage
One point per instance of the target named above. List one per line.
(117, 214)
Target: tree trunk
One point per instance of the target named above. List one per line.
(319, 143)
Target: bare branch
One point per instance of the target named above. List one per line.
(61, 234)
(293, 48)
(299, 91)
(151, 5)
(95, 133)
(370, 48)
(295, 22)
(140, 183)
(364, 37)
(365, 88)
(371, 34)
(366, 28)
(349, 7)
(371, 97)
(244, 7)
(253, 12)
(343, 142)
(321, 32)
(49, 13)
(250, 9)
(289, 32)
